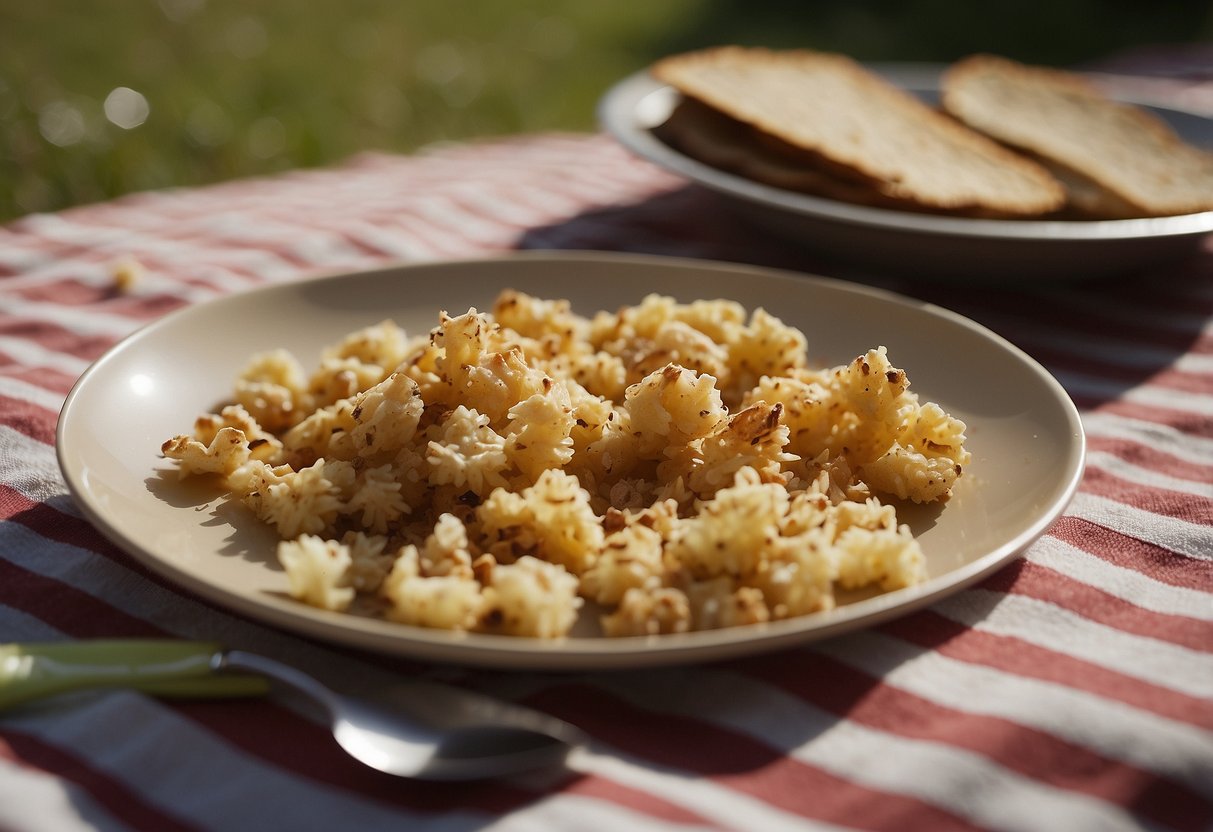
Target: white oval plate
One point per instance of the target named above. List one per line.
(1025, 435)
(926, 245)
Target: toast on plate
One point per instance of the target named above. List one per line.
(724, 143)
(827, 113)
(1117, 160)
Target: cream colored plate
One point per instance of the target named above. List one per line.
(925, 245)
(1025, 435)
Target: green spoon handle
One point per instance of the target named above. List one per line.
(160, 667)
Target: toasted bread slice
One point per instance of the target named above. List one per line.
(1144, 167)
(856, 125)
(708, 135)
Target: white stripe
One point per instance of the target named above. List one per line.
(1148, 477)
(243, 268)
(174, 264)
(962, 782)
(1126, 584)
(83, 320)
(1146, 394)
(1177, 750)
(20, 254)
(393, 242)
(1191, 539)
(32, 801)
(185, 770)
(279, 238)
(18, 625)
(185, 255)
(33, 355)
(575, 812)
(442, 240)
(15, 388)
(493, 206)
(1196, 363)
(475, 228)
(61, 228)
(1173, 441)
(1053, 627)
(730, 809)
(101, 274)
(29, 466)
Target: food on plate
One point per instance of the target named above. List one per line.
(829, 114)
(677, 466)
(1009, 142)
(1118, 160)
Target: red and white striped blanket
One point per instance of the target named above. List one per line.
(1072, 690)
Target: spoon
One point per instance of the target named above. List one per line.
(415, 729)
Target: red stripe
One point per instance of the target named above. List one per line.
(1110, 401)
(110, 793)
(47, 521)
(1152, 458)
(54, 337)
(1132, 376)
(67, 291)
(225, 268)
(609, 791)
(859, 697)
(1184, 421)
(44, 377)
(1044, 584)
(29, 419)
(1156, 562)
(70, 292)
(68, 529)
(1012, 655)
(739, 762)
(66, 608)
(347, 235)
(282, 249)
(1166, 503)
(53, 248)
(284, 739)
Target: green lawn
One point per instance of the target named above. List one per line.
(216, 90)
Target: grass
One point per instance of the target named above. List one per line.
(228, 89)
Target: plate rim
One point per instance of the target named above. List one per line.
(616, 113)
(575, 653)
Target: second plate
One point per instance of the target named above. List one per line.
(858, 236)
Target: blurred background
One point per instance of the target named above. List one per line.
(103, 97)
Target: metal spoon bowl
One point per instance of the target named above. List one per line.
(427, 731)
